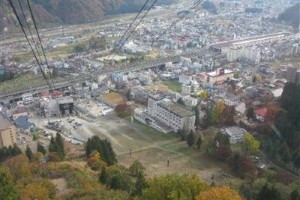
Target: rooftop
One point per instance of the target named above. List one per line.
(176, 108)
(261, 112)
(235, 131)
(4, 123)
(217, 73)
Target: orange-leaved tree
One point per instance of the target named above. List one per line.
(219, 193)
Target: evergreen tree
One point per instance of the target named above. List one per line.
(16, 150)
(250, 113)
(103, 176)
(88, 148)
(199, 142)
(267, 193)
(140, 185)
(29, 153)
(181, 134)
(57, 146)
(296, 161)
(52, 145)
(190, 139)
(197, 119)
(41, 149)
(104, 147)
(180, 101)
(60, 146)
(295, 195)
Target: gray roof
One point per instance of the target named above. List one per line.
(176, 109)
(4, 122)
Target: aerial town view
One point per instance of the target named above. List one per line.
(149, 100)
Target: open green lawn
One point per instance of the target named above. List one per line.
(125, 136)
(173, 85)
(23, 82)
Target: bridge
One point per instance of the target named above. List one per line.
(17, 95)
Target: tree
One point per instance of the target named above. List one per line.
(35, 191)
(140, 185)
(295, 195)
(219, 193)
(285, 153)
(57, 146)
(136, 168)
(8, 191)
(250, 144)
(88, 148)
(190, 139)
(267, 193)
(174, 186)
(223, 152)
(123, 110)
(180, 101)
(296, 161)
(181, 134)
(103, 176)
(197, 117)
(222, 139)
(29, 153)
(19, 166)
(103, 147)
(95, 161)
(227, 116)
(121, 182)
(199, 142)
(219, 109)
(41, 148)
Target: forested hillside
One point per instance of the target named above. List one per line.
(56, 12)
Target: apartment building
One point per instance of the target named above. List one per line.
(8, 136)
(173, 115)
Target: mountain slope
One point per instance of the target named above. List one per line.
(291, 16)
(55, 12)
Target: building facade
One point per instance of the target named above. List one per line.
(171, 114)
(8, 136)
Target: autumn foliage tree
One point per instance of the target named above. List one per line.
(8, 191)
(174, 186)
(219, 193)
(250, 144)
(123, 110)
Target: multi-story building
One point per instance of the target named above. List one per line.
(186, 89)
(8, 135)
(246, 47)
(219, 76)
(190, 102)
(171, 114)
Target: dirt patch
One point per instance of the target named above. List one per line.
(61, 186)
(156, 162)
(113, 98)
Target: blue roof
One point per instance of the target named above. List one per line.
(22, 122)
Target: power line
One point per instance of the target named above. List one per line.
(141, 10)
(24, 32)
(30, 32)
(41, 43)
(178, 20)
(132, 31)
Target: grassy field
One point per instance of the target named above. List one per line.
(182, 159)
(173, 85)
(23, 82)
